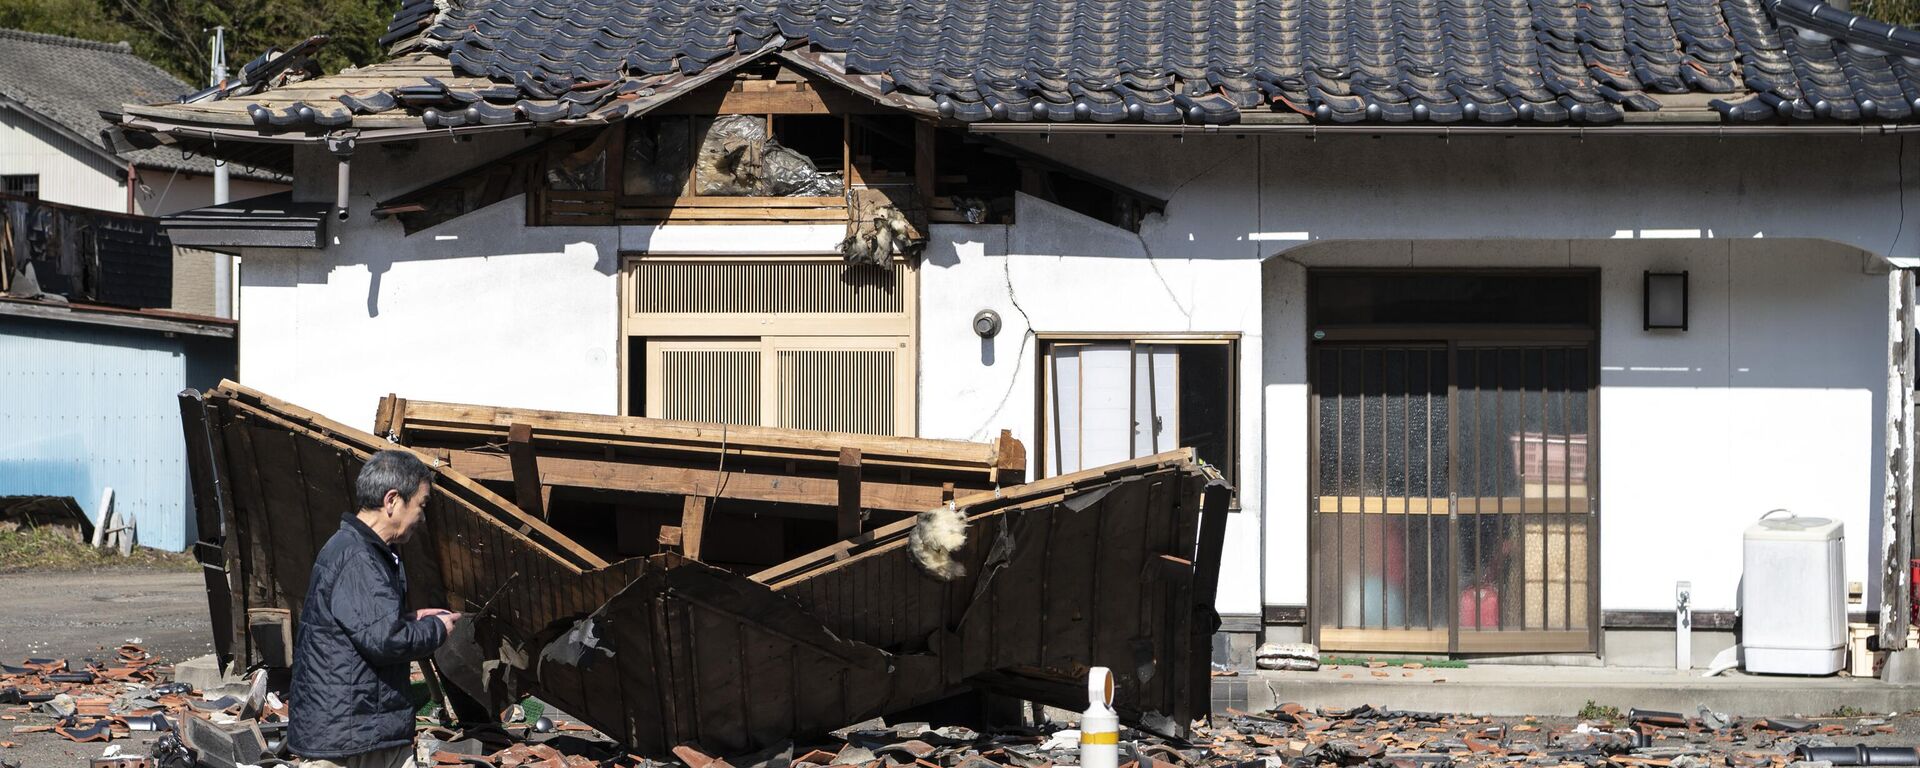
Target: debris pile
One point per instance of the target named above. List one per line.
(99, 701)
(1302, 737)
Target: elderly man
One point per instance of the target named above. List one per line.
(350, 706)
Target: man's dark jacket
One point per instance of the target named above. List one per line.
(353, 649)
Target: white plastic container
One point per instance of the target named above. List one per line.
(1794, 596)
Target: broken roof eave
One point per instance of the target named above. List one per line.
(62, 131)
(162, 119)
(133, 319)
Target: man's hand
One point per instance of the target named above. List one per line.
(446, 617)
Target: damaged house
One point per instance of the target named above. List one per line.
(1393, 268)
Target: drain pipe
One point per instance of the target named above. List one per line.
(341, 145)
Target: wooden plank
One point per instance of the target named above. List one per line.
(849, 518)
(693, 523)
(283, 415)
(1212, 541)
(693, 435)
(682, 481)
(250, 504)
(526, 473)
(293, 546)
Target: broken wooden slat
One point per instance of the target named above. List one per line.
(693, 523)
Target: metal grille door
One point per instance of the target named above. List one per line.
(1524, 516)
(1451, 505)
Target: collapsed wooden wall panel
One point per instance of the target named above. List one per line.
(1109, 567)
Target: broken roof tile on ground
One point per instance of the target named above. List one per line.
(1114, 566)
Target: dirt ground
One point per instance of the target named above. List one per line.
(77, 615)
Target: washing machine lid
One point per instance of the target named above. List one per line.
(1787, 527)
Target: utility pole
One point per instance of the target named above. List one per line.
(223, 291)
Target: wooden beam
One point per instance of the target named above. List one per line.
(526, 470)
(693, 523)
(849, 518)
(480, 424)
(745, 485)
(1009, 460)
(923, 169)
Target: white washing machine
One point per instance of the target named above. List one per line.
(1793, 596)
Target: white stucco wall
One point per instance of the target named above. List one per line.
(68, 173)
(1771, 399)
(1790, 357)
(482, 309)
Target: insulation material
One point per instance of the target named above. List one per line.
(740, 158)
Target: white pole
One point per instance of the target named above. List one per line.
(222, 263)
(1683, 625)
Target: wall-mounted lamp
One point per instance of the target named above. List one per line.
(1664, 302)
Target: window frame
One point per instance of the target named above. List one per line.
(1043, 379)
(772, 332)
(29, 188)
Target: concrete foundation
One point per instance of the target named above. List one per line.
(1562, 691)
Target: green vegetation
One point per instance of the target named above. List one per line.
(59, 549)
(1594, 711)
(1847, 710)
(1905, 12)
(176, 34)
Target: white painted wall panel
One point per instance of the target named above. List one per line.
(68, 173)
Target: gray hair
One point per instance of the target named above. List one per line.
(389, 470)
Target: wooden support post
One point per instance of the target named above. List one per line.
(946, 492)
(1897, 503)
(526, 470)
(849, 493)
(923, 170)
(1009, 460)
(693, 523)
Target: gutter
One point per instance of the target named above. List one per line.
(1314, 130)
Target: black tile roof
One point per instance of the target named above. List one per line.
(67, 82)
(1585, 62)
(1206, 61)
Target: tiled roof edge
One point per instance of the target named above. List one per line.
(70, 42)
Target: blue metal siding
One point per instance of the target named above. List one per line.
(86, 407)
